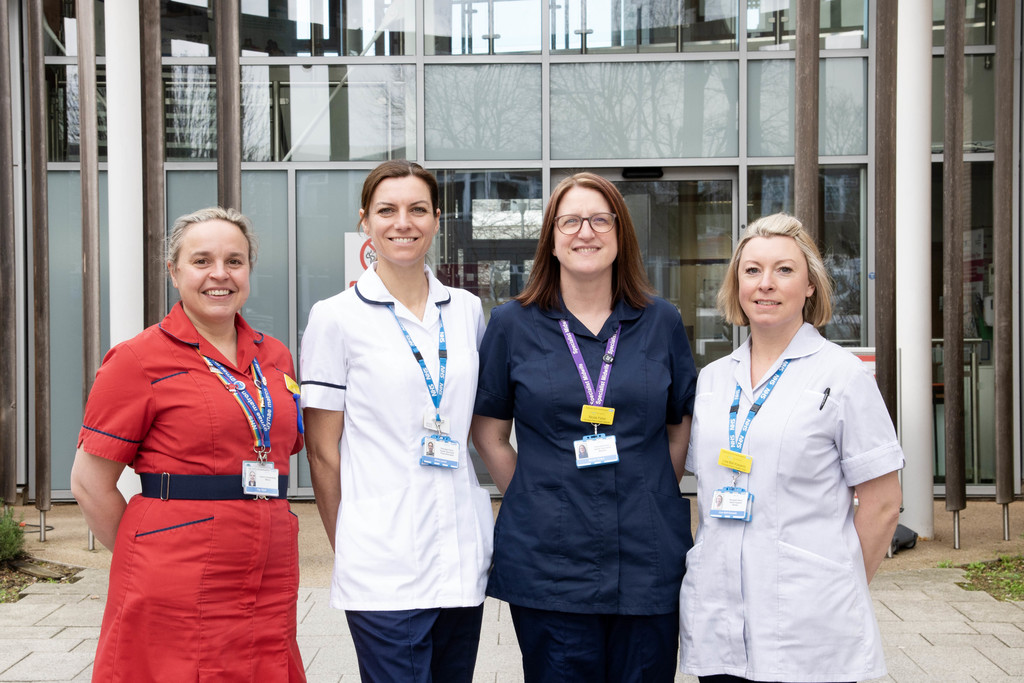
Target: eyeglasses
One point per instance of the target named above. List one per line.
(570, 224)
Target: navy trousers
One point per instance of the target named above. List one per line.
(559, 646)
(418, 645)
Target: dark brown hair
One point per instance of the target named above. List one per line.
(629, 279)
(398, 168)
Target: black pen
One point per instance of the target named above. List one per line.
(828, 390)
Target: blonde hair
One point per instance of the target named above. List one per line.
(213, 213)
(817, 308)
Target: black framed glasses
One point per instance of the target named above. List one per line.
(570, 224)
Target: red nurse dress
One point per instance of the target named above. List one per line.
(199, 590)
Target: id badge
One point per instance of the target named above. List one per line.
(259, 478)
(430, 422)
(439, 451)
(731, 502)
(595, 449)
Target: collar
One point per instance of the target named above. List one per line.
(177, 326)
(621, 312)
(370, 289)
(805, 342)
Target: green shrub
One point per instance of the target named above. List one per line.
(12, 539)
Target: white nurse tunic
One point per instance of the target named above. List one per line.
(784, 596)
(408, 536)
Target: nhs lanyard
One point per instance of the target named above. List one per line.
(436, 392)
(736, 441)
(259, 415)
(594, 397)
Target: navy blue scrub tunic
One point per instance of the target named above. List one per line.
(609, 539)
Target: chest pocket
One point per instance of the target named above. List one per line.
(809, 439)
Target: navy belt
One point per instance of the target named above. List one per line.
(201, 486)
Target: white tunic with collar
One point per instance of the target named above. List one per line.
(408, 536)
(784, 596)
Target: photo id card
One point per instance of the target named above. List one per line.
(730, 502)
(439, 451)
(259, 478)
(595, 449)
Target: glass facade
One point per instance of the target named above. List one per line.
(687, 106)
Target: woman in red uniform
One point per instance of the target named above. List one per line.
(205, 570)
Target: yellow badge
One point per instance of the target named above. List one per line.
(292, 385)
(734, 460)
(597, 415)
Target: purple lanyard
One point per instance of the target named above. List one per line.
(594, 399)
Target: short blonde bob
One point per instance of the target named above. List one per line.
(817, 308)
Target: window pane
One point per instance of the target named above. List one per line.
(60, 29)
(646, 110)
(685, 232)
(482, 27)
(980, 22)
(313, 28)
(265, 202)
(64, 216)
(490, 111)
(769, 190)
(842, 24)
(63, 134)
(187, 28)
(979, 104)
(327, 208)
(489, 230)
(843, 238)
(328, 113)
(190, 112)
(843, 110)
(771, 117)
(771, 25)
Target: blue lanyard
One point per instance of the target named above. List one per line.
(436, 392)
(259, 415)
(594, 398)
(736, 442)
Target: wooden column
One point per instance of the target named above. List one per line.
(8, 281)
(229, 105)
(953, 263)
(89, 159)
(808, 19)
(1003, 253)
(153, 155)
(40, 251)
(885, 204)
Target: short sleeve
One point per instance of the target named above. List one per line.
(323, 365)
(865, 436)
(120, 408)
(494, 394)
(684, 375)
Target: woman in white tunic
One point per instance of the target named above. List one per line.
(786, 430)
(389, 374)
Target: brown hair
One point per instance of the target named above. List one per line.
(629, 279)
(398, 168)
(817, 307)
(213, 213)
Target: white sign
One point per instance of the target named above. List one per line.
(359, 254)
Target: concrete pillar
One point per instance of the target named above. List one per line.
(124, 182)
(913, 261)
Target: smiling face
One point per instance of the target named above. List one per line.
(212, 274)
(587, 254)
(401, 221)
(773, 284)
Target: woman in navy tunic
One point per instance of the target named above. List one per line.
(588, 549)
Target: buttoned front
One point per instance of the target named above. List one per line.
(607, 539)
(197, 588)
(408, 536)
(784, 596)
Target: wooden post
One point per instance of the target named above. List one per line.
(806, 171)
(229, 105)
(8, 301)
(153, 155)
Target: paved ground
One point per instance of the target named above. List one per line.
(933, 630)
